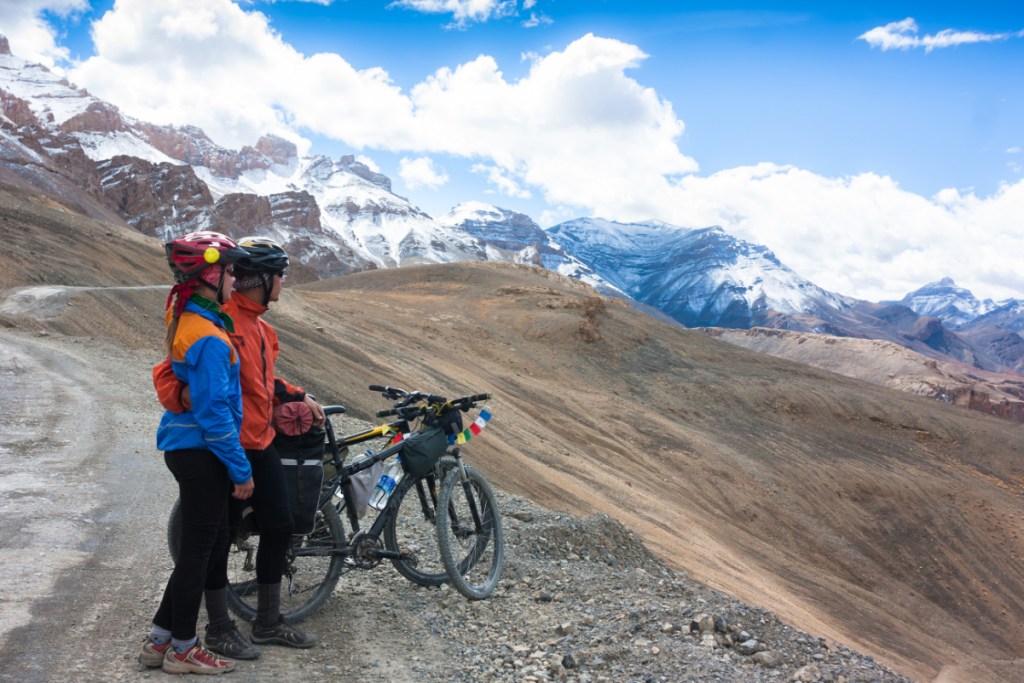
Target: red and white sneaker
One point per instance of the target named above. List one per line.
(196, 660)
(152, 654)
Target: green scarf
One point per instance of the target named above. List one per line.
(212, 306)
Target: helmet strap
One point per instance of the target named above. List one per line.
(267, 279)
(220, 285)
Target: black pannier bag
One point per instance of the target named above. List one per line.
(302, 458)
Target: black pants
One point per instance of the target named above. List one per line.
(204, 490)
(270, 504)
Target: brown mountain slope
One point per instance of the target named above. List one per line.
(887, 364)
(882, 520)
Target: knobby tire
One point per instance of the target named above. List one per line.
(412, 527)
(473, 558)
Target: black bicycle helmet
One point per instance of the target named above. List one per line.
(265, 256)
(265, 260)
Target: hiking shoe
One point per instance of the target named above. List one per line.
(152, 655)
(282, 633)
(229, 641)
(196, 660)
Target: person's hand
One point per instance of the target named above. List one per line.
(319, 418)
(186, 397)
(243, 491)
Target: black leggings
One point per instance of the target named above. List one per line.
(270, 504)
(204, 490)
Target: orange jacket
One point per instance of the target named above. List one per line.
(257, 346)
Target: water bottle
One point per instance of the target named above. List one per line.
(392, 475)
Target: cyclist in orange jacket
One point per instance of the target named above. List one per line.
(258, 282)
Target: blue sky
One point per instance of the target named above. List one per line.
(873, 146)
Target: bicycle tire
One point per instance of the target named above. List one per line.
(473, 558)
(309, 577)
(412, 527)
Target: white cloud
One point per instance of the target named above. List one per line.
(576, 126)
(421, 172)
(1013, 150)
(225, 70)
(903, 35)
(462, 11)
(29, 35)
(502, 181)
(536, 20)
(863, 235)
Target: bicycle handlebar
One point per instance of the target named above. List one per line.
(433, 404)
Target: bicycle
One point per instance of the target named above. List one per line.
(316, 560)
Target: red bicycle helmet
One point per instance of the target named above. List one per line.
(189, 256)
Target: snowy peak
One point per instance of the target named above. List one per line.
(699, 277)
(953, 305)
(53, 100)
(500, 228)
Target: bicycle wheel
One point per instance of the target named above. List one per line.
(311, 569)
(473, 553)
(411, 527)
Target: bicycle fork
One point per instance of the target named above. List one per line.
(474, 511)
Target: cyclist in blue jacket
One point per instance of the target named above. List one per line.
(202, 447)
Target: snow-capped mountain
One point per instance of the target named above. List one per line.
(699, 277)
(337, 215)
(1008, 315)
(504, 235)
(953, 305)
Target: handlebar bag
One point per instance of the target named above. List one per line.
(449, 420)
(303, 465)
(423, 449)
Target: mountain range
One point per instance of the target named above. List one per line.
(338, 216)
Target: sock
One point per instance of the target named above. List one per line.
(268, 603)
(183, 646)
(159, 635)
(217, 608)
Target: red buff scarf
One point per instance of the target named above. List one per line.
(184, 291)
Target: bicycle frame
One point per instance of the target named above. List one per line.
(343, 480)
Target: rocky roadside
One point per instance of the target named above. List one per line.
(580, 600)
(584, 600)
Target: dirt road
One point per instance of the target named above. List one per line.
(83, 498)
(82, 485)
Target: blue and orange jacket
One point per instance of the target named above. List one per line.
(203, 357)
(262, 391)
